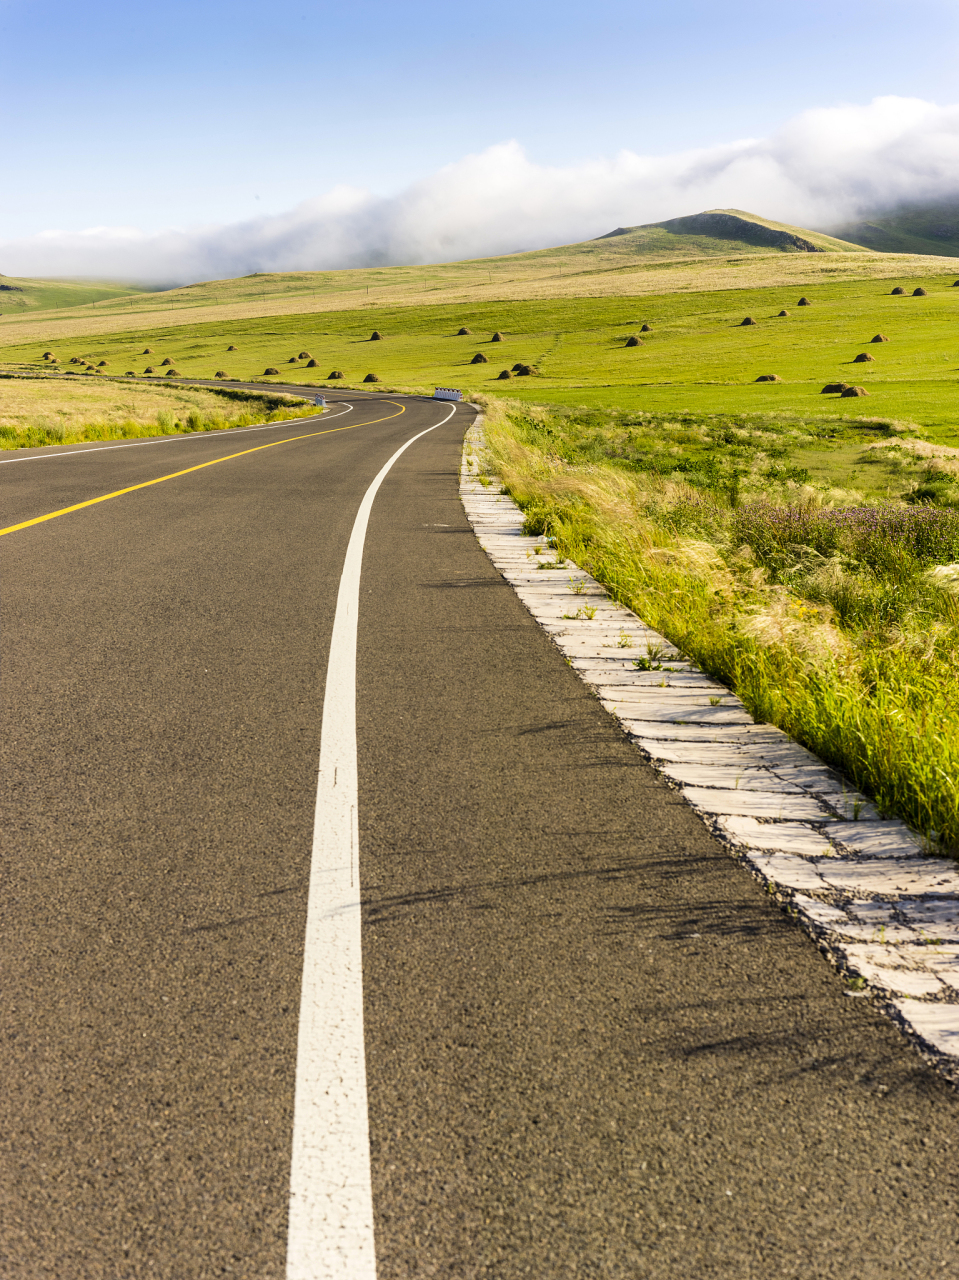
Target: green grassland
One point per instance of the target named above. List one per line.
(697, 358)
(21, 295)
(713, 251)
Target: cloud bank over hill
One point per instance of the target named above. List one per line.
(823, 167)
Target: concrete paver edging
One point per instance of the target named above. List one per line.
(882, 907)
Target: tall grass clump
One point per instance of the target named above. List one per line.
(838, 623)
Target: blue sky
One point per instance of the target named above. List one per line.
(183, 113)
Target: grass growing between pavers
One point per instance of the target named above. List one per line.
(832, 614)
(48, 411)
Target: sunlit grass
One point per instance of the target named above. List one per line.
(845, 637)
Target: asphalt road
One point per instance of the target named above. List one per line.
(594, 1047)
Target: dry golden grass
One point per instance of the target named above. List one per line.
(73, 403)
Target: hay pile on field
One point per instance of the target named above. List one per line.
(880, 337)
(337, 373)
(647, 328)
(292, 360)
(517, 366)
(919, 293)
(270, 370)
(784, 313)
(633, 341)
(479, 358)
(219, 374)
(376, 336)
(863, 357)
(834, 388)
(504, 374)
(102, 364)
(497, 337)
(769, 377)
(172, 373)
(311, 364)
(148, 351)
(803, 302)
(855, 391)
(149, 369)
(165, 362)
(129, 374)
(48, 355)
(898, 289)
(305, 355)
(464, 331)
(371, 377)
(748, 320)
(232, 348)
(526, 370)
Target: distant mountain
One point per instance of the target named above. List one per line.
(724, 231)
(927, 228)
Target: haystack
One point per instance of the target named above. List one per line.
(148, 351)
(855, 391)
(464, 331)
(526, 370)
(305, 355)
(803, 302)
(232, 348)
(149, 369)
(165, 362)
(371, 377)
(311, 364)
(129, 374)
(505, 374)
(919, 293)
(479, 358)
(833, 388)
(633, 341)
(219, 374)
(898, 289)
(863, 358)
(647, 328)
(48, 355)
(784, 313)
(172, 373)
(376, 336)
(337, 373)
(292, 360)
(769, 377)
(270, 370)
(748, 320)
(497, 337)
(880, 337)
(955, 284)
(102, 364)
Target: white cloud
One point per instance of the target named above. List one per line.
(821, 167)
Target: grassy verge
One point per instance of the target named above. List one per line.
(833, 615)
(35, 412)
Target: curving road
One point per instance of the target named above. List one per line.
(586, 1044)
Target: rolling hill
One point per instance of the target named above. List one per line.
(926, 229)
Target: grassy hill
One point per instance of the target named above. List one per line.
(19, 295)
(927, 229)
(716, 250)
(721, 231)
(567, 313)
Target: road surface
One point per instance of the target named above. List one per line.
(593, 1046)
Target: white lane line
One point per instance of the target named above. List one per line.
(140, 444)
(331, 1199)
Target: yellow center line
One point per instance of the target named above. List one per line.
(118, 493)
